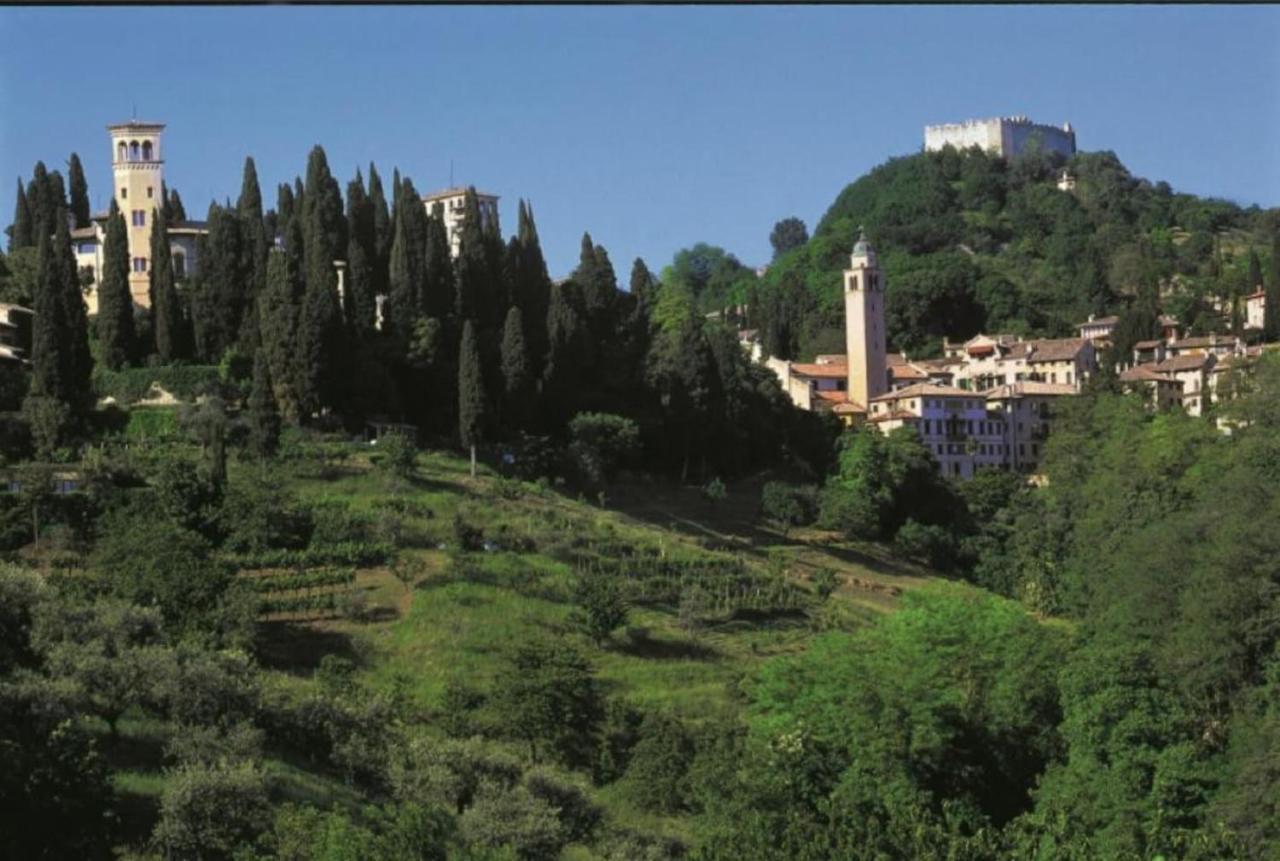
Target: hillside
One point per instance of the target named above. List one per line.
(361, 656)
(971, 243)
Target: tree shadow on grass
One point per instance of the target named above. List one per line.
(297, 649)
(665, 650)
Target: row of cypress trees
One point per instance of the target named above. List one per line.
(476, 348)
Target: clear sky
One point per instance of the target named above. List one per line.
(651, 127)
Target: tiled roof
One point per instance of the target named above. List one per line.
(894, 415)
(924, 389)
(1054, 350)
(833, 358)
(1028, 387)
(848, 408)
(907, 372)
(84, 233)
(1203, 341)
(1144, 373)
(1148, 345)
(831, 397)
(824, 372)
(1183, 363)
(1100, 321)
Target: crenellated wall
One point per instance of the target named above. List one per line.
(1004, 136)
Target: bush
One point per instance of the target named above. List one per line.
(932, 545)
(258, 516)
(600, 443)
(579, 815)
(601, 606)
(789, 505)
(514, 818)
(656, 778)
(209, 811)
(159, 423)
(397, 454)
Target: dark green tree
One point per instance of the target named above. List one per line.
(551, 701)
(517, 379)
(116, 336)
(79, 191)
(472, 401)
(531, 286)
(787, 234)
(254, 244)
(320, 328)
(474, 276)
(279, 308)
(360, 298)
(438, 285)
(22, 233)
(1271, 301)
(383, 231)
(642, 286)
(223, 286)
(166, 309)
(264, 417)
(177, 212)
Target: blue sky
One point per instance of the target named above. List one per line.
(651, 127)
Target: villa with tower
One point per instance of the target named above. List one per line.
(137, 174)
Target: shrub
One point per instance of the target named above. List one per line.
(397, 454)
(514, 818)
(600, 443)
(469, 537)
(656, 778)
(601, 606)
(579, 815)
(788, 505)
(258, 515)
(932, 545)
(209, 811)
(714, 491)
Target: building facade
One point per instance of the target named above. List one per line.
(864, 325)
(1002, 136)
(452, 202)
(137, 172)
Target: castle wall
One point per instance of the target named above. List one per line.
(1004, 136)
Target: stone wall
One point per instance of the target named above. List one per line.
(1004, 136)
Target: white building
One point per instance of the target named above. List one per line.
(453, 209)
(1002, 136)
(137, 168)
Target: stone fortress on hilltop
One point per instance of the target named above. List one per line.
(1004, 136)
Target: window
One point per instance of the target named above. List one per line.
(139, 264)
(85, 248)
(124, 192)
(179, 264)
(122, 152)
(139, 218)
(133, 151)
(150, 192)
(146, 150)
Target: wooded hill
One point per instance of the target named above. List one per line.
(973, 243)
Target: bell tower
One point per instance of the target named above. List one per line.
(864, 324)
(137, 168)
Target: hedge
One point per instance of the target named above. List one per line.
(353, 553)
(184, 382)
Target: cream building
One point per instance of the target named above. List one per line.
(137, 169)
(453, 205)
(864, 325)
(1003, 136)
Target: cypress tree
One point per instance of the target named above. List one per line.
(252, 230)
(279, 308)
(165, 206)
(22, 233)
(45, 406)
(1271, 300)
(284, 206)
(566, 353)
(177, 212)
(166, 310)
(439, 286)
(531, 289)
(472, 403)
(517, 376)
(642, 286)
(116, 335)
(1255, 272)
(599, 289)
(79, 189)
(41, 202)
(383, 232)
(401, 307)
(264, 418)
(223, 284)
(472, 265)
(320, 344)
(360, 302)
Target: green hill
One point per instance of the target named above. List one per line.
(971, 242)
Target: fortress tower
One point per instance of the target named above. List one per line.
(137, 169)
(864, 324)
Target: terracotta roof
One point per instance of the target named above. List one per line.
(1204, 341)
(1144, 373)
(924, 389)
(1055, 350)
(1148, 345)
(907, 372)
(847, 408)
(824, 372)
(84, 233)
(891, 359)
(833, 359)
(1100, 321)
(894, 415)
(1261, 294)
(832, 397)
(1183, 363)
(1028, 387)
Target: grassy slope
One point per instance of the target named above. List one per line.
(448, 628)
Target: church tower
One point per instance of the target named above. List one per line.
(137, 167)
(864, 324)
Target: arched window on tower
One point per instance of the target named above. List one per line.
(179, 265)
(122, 152)
(133, 151)
(146, 150)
